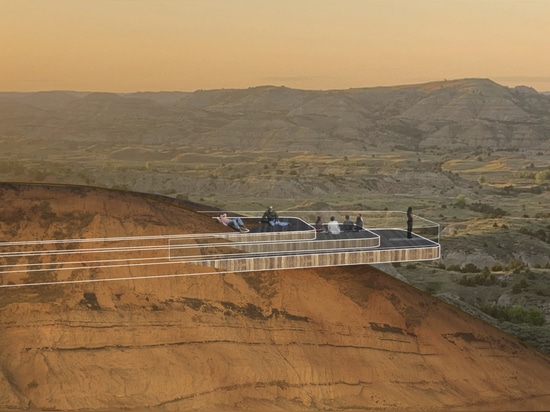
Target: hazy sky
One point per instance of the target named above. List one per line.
(131, 45)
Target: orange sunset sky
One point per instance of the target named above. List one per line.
(138, 45)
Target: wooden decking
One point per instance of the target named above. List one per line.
(299, 245)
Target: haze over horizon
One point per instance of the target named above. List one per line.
(165, 45)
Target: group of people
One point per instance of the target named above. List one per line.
(348, 225)
(271, 217)
(333, 226)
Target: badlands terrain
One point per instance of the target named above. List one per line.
(339, 338)
(470, 154)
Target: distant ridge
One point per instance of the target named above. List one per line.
(466, 113)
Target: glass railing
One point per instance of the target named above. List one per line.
(372, 220)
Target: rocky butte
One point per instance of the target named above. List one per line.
(342, 338)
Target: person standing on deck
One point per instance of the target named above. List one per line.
(409, 222)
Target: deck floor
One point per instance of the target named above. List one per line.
(265, 247)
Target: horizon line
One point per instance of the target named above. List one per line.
(267, 85)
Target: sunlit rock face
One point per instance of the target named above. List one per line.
(319, 339)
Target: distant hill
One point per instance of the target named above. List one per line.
(455, 114)
(340, 339)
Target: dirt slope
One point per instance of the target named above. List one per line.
(346, 338)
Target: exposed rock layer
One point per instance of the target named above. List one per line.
(320, 339)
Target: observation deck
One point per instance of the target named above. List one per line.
(298, 244)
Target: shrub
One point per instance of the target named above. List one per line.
(487, 210)
(520, 286)
(433, 287)
(454, 268)
(467, 281)
(481, 279)
(470, 268)
(542, 176)
(460, 201)
(515, 264)
(497, 267)
(539, 234)
(515, 314)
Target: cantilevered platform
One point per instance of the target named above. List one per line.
(259, 251)
(265, 247)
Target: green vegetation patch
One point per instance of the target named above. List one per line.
(515, 314)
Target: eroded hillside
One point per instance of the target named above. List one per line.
(339, 338)
(372, 148)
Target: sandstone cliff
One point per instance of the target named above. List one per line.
(343, 338)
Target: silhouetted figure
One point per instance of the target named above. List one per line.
(348, 224)
(409, 222)
(319, 227)
(358, 223)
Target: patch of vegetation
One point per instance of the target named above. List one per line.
(516, 265)
(470, 268)
(433, 287)
(481, 279)
(488, 211)
(538, 234)
(497, 267)
(515, 314)
(542, 176)
(520, 286)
